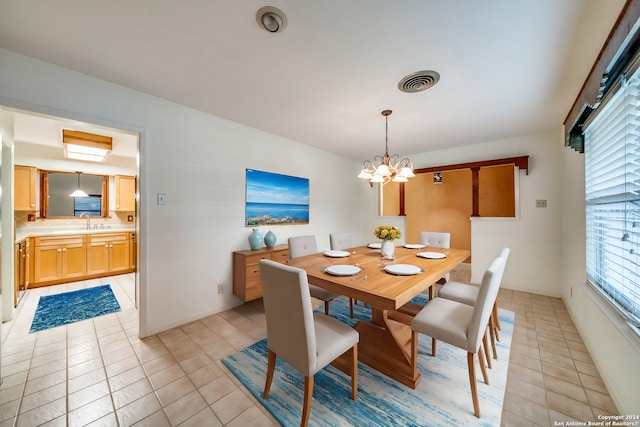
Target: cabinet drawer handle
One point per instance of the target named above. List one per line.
(64, 249)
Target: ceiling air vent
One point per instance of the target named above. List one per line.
(418, 81)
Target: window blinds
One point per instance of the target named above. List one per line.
(612, 187)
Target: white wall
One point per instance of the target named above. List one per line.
(7, 259)
(615, 349)
(199, 162)
(534, 237)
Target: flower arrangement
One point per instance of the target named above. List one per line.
(387, 232)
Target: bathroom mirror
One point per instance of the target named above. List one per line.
(55, 190)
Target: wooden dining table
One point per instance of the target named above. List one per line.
(385, 339)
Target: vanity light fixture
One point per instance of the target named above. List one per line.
(78, 192)
(85, 146)
(387, 168)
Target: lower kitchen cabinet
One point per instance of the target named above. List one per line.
(22, 269)
(59, 258)
(108, 253)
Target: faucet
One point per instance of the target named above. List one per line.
(88, 219)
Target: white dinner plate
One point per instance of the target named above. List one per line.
(336, 254)
(342, 270)
(414, 246)
(431, 255)
(376, 245)
(403, 269)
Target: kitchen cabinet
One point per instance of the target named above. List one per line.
(17, 257)
(125, 193)
(22, 269)
(58, 259)
(246, 270)
(108, 253)
(24, 183)
(134, 254)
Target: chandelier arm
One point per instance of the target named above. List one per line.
(394, 161)
(368, 166)
(406, 162)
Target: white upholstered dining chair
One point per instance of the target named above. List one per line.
(468, 294)
(306, 245)
(338, 242)
(461, 325)
(438, 240)
(306, 340)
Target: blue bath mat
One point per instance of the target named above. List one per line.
(70, 307)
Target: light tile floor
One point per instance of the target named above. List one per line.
(98, 372)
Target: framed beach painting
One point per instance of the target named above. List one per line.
(275, 199)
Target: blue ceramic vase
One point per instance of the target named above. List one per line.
(255, 239)
(270, 239)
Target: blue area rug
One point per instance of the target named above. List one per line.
(443, 397)
(70, 307)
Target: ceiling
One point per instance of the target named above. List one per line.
(507, 68)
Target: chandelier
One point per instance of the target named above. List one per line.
(387, 168)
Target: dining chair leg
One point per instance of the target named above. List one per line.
(354, 372)
(351, 307)
(326, 308)
(483, 366)
(306, 404)
(492, 334)
(271, 365)
(495, 316)
(472, 380)
(485, 345)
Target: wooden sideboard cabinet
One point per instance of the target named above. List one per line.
(246, 270)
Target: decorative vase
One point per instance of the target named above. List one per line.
(255, 239)
(270, 239)
(387, 249)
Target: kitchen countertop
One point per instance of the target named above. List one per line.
(62, 231)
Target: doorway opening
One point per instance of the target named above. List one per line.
(37, 145)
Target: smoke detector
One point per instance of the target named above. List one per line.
(418, 81)
(271, 19)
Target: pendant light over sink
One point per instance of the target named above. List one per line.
(78, 192)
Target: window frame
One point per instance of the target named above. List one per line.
(619, 288)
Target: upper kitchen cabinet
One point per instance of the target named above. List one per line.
(125, 193)
(25, 178)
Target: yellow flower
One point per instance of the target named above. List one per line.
(387, 232)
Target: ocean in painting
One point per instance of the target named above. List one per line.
(276, 213)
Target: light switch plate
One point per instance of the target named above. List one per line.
(162, 199)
